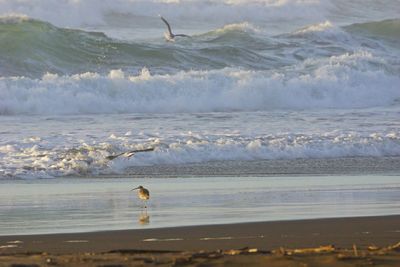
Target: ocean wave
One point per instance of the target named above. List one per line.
(387, 28)
(37, 158)
(31, 48)
(237, 27)
(356, 80)
(319, 27)
(45, 69)
(325, 32)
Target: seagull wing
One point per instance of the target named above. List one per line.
(129, 153)
(182, 35)
(166, 23)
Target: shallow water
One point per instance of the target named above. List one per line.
(77, 205)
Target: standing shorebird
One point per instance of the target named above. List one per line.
(143, 194)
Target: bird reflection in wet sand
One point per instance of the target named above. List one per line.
(144, 218)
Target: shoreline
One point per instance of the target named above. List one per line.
(340, 166)
(340, 232)
(353, 165)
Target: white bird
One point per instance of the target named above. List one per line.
(143, 193)
(169, 35)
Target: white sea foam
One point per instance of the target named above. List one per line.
(244, 26)
(328, 32)
(13, 18)
(347, 81)
(47, 158)
(320, 27)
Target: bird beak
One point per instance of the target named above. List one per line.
(134, 188)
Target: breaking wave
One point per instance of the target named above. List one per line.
(49, 70)
(347, 81)
(32, 48)
(82, 57)
(31, 158)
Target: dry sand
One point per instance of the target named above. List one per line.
(347, 242)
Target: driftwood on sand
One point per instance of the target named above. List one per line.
(319, 256)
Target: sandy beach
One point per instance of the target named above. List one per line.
(363, 239)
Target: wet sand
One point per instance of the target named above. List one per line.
(351, 237)
(70, 205)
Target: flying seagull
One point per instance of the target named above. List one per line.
(129, 153)
(169, 35)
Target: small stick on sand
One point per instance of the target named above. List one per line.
(395, 247)
(355, 250)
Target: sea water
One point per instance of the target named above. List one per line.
(260, 89)
(94, 204)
